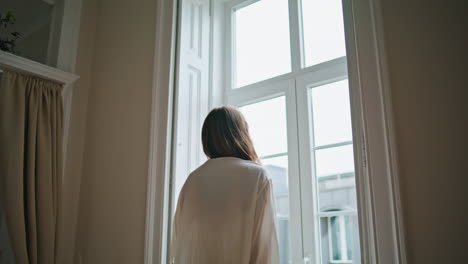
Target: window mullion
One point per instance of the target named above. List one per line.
(295, 35)
(296, 223)
(307, 175)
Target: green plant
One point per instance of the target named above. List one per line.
(8, 37)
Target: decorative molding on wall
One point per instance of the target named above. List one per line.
(157, 202)
(17, 63)
(378, 189)
(66, 36)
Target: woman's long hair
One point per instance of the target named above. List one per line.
(225, 133)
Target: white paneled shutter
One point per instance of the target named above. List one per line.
(192, 88)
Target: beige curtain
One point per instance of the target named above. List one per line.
(31, 165)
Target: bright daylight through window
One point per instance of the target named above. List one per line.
(284, 65)
(269, 134)
(271, 92)
(261, 40)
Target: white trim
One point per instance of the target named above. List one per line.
(294, 179)
(230, 50)
(295, 35)
(67, 50)
(378, 190)
(286, 89)
(334, 145)
(393, 168)
(260, 93)
(69, 36)
(337, 64)
(66, 56)
(157, 203)
(54, 33)
(309, 184)
(217, 66)
(21, 64)
(337, 213)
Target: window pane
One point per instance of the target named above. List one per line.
(261, 41)
(331, 113)
(349, 238)
(339, 238)
(335, 177)
(323, 30)
(267, 125)
(332, 161)
(335, 237)
(278, 170)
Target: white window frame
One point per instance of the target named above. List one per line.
(378, 189)
(305, 244)
(264, 91)
(323, 74)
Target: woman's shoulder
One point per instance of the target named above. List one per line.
(228, 165)
(256, 170)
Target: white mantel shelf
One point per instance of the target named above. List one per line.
(17, 63)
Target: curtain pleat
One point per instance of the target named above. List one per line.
(31, 113)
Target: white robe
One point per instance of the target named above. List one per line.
(225, 214)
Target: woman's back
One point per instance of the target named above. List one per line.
(225, 214)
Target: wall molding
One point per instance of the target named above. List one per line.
(17, 63)
(66, 32)
(157, 202)
(379, 192)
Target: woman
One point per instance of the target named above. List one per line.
(225, 213)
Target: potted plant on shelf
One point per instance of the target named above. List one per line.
(8, 37)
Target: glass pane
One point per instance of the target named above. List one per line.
(278, 169)
(331, 113)
(337, 193)
(335, 236)
(261, 41)
(334, 167)
(323, 30)
(267, 125)
(349, 239)
(332, 161)
(339, 239)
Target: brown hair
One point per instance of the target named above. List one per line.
(225, 133)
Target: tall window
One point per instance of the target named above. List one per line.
(283, 63)
(288, 75)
